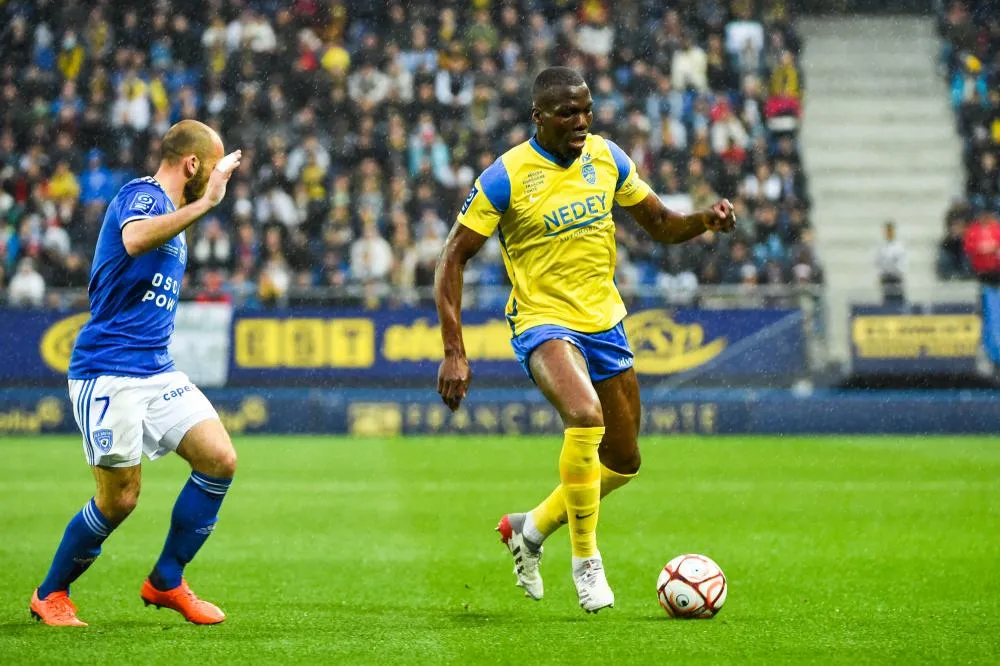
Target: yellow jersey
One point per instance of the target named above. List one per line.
(556, 231)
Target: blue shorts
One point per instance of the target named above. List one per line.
(607, 353)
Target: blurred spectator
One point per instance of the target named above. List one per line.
(368, 87)
(428, 248)
(952, 263)
(982, 247)
(890, 263)
(690, 66)
(71, 56)
(968, 82)
(212, 250)
(27, 287)
(371, 256)
(96, 184)
(212, 289)
(55, 239)
(63, 186)
(419, 57)
(786, 79)
(596, 35)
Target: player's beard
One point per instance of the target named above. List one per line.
(194, 189)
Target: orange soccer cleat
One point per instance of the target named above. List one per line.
(55, 610)
(184, 601)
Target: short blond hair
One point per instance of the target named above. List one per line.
(186, 138)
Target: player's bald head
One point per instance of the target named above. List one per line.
(197, 148)
(190, 137)
(553, 82)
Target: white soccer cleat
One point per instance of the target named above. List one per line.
(526, 560)
(592, 585)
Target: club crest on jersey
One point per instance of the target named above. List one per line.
(104, 439)
(589, 173)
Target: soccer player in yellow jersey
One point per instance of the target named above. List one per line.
(550, 200)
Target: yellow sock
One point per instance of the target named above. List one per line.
(580, 477)
(550, 515)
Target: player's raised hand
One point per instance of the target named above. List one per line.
(217, 181)
(454, 375)
(722, 217)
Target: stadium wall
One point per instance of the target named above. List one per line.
(387, 412)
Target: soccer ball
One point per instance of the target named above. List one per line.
(691, 586)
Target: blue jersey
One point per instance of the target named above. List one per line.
(133, 300)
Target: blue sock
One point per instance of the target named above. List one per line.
(193, 519)
(80, 546)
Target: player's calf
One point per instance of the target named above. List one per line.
(116, 497)
(213, 461)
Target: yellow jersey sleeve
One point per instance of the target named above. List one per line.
(630, 188)
(488, 200)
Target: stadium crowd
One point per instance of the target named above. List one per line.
(363, 125)
(970, 31)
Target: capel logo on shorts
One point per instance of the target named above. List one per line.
(104, 439)
(663, 346)
(178, 392)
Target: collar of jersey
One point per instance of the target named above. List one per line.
(549, 156)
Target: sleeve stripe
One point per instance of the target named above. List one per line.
(496, 185)
(621, 161)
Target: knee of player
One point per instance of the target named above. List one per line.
(118, 506)
(222, 464)
(629, 464)
(620, 454)
(226, 464)
(585, 415)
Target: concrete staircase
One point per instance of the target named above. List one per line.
(878, 143)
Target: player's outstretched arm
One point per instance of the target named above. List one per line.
(454, 373)
(141, 236)
(666, 226)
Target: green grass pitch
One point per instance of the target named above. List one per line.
(332, 550)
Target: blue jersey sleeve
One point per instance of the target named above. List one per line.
(496, 185)
(488, 200)
(140, 202)
(630, 189)
(622, 161)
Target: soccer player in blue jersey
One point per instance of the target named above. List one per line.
(550, 201)
(128, 398)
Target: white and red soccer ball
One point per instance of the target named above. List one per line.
(691, 586)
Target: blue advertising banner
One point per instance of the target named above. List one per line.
(317, 347)
(35, 346)
(943, 340)
(390, 413)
